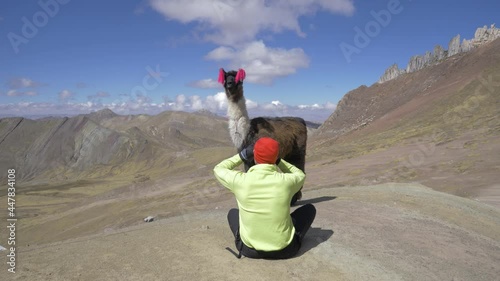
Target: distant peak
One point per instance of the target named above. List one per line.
(205, 112)
(103, 113)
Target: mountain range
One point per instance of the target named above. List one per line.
(435, 131)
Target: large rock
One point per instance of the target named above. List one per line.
(419, 62)
(439, 53)
(415, 63)
(428, 58)
(484, 35)
(391, 73)
(466, 46)
(454, 46)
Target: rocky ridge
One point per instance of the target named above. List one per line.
(482, 36)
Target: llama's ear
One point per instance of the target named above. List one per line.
(222, 76)
(240, 76)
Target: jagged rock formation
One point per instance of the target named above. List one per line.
(482, 36)
(466, 46)
(454, 46)
(439, 53)
(392, 72)
(485, 35)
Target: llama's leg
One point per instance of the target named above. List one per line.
(234, 221)
(300, 163)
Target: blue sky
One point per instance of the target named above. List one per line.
(73, 56)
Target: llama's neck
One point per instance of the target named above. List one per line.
(239, 122)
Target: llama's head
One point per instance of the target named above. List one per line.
(233, 83)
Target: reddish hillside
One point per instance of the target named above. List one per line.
(439, 126)
(382, 105)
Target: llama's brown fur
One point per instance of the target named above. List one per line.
(290, 132)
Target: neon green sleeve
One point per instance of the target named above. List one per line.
(294, 173)
(224, 171)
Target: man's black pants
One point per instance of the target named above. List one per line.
(302, 219)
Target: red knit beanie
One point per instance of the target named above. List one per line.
(266, 150)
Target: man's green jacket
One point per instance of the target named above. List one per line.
(263, 195)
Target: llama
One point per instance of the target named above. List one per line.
(290, 132)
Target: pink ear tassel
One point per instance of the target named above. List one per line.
(240, 76)
(222, 76)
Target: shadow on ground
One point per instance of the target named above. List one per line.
(315, 200)
(314, 237)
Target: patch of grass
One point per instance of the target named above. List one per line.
(212, 155)
(62, 186)
(463, 166)
(356, 172)
(140, 178)
(403, 173)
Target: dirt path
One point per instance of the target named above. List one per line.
(383, 232)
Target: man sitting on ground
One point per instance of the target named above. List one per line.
(262, 225)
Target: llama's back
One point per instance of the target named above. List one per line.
(290, 132)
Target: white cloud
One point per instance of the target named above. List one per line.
(196, 103)
(251, 104)
(314, 112)
(216, 103)
(235, 25)
(23, 82)
(231, 22)
(13, 93)
(276, 103)
(261, 63)
(205, 84)
(330, 105)
(65, 95)
(221, 53)
(179, 103)
(16, 93)
(274, 106)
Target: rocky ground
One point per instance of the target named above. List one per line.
(381, 232)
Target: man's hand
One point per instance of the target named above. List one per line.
(247, 154)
